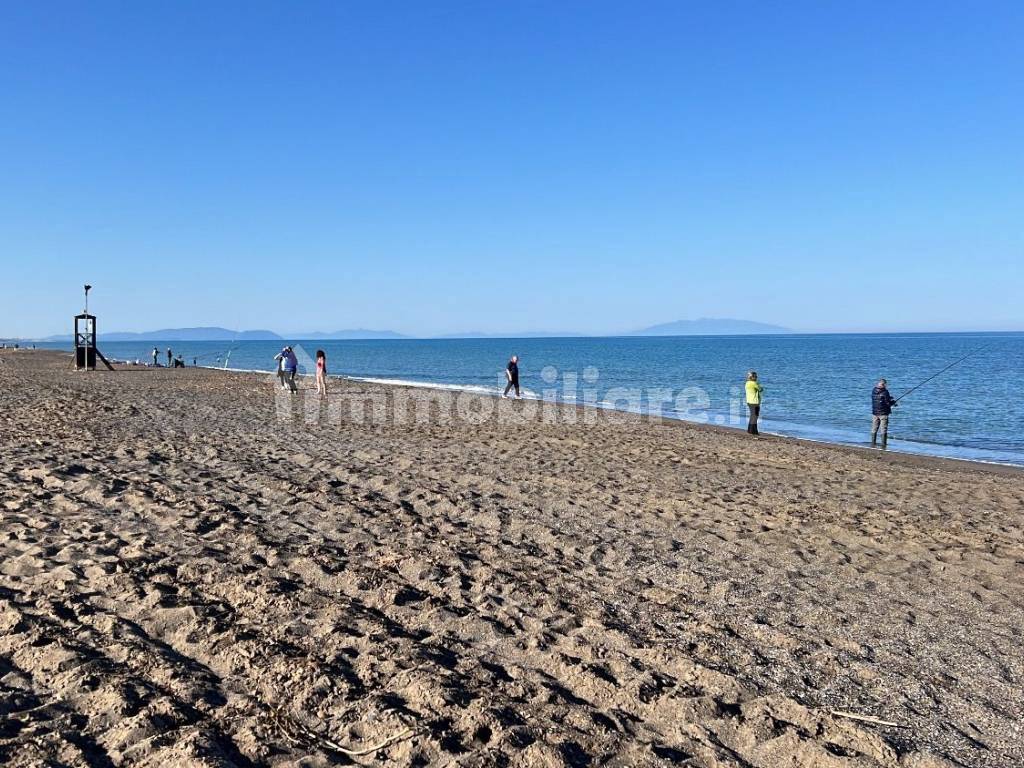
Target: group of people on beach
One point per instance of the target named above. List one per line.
(172, 361)
(288, 368)
(882, 402)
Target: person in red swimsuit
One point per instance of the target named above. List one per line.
(321, 373)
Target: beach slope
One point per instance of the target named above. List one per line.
(196, 570)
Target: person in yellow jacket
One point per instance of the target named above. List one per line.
(754, 390)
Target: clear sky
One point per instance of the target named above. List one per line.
(432, 167)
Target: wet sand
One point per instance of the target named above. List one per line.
(195, 571)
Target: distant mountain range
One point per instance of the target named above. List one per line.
(710, 326)
(226, 334)
(180, 334)
(705, 326)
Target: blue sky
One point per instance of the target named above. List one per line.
(455, 166)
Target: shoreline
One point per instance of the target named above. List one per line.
(911, 457)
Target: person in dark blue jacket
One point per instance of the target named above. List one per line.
(291, 368)
(882, 404)
(512, 374)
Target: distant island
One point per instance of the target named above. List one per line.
(705, 326)
(710, 326)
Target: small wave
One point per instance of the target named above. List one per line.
(235, 370)
(476, 389)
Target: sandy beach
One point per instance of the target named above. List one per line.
(193, 573)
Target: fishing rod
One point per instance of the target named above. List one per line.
(935, 375)
(217, 355)
(209, 355)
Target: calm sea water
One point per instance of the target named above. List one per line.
(817, 386)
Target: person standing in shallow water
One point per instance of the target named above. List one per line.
(170, 357)
(321, 373)
(882, 404)
(754, 390)
(156, 357)
(512, 374)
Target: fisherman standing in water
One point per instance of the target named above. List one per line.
(170, 357)
(882, 404)
(156, 357)
(754, 390)
(512, 374)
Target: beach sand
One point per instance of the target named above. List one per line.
(191, 574)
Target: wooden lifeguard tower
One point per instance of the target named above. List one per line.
(86, 351)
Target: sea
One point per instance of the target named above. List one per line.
(817, 386)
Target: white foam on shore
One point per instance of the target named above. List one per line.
(606, 405)
(475, 389)
(471, 388)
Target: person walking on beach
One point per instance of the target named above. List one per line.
(754, 390)
(512, 374)
(291, 368)
(279, 358)
(156, 357)
(282, 358)
(882, 403)
(321, 373)
(170, 357)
